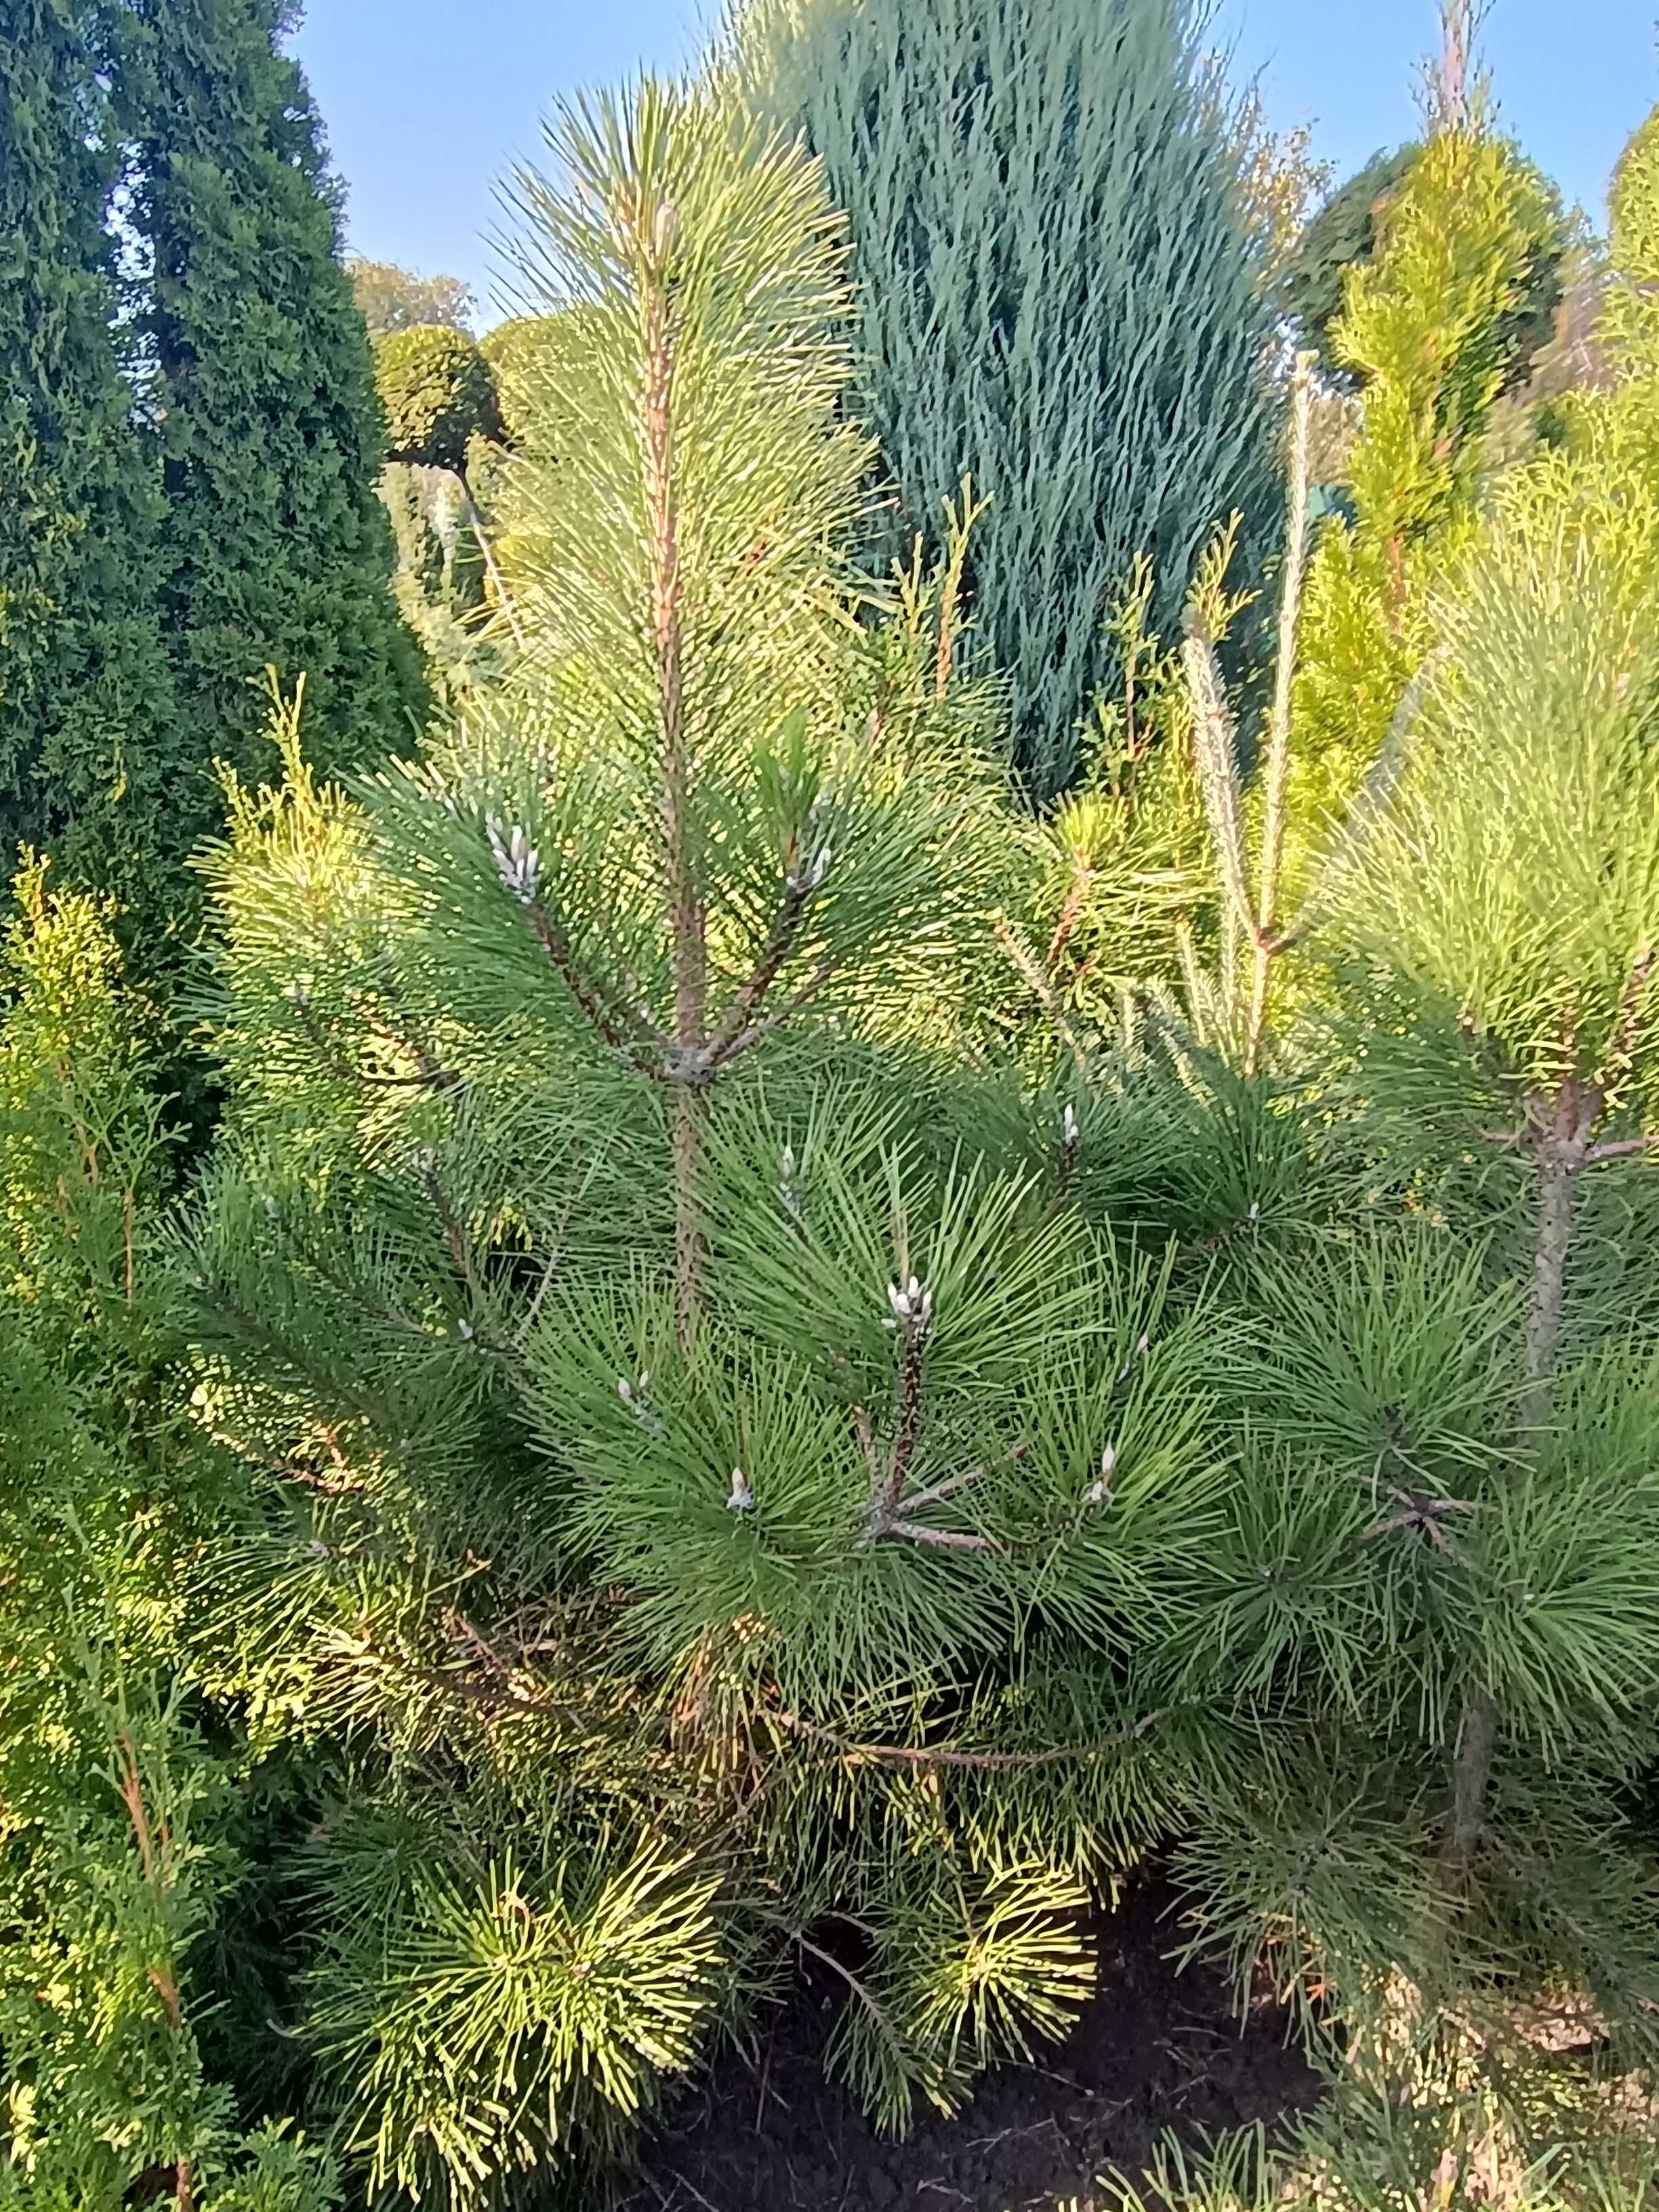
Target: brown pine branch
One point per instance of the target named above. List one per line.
(625, 1030)
(1558, 1132)
(751, 997)
(715, 1060)
(1621, 1148)
(687, 916)
(943, 1540)
(1083, 874)
(946, 1755)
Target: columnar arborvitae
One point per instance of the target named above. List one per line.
(1429, 328)
(276, 550)
(124, 1789)
(86, 736)
(1058, 296)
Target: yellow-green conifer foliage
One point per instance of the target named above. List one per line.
(1424, 326)
(1618, 430)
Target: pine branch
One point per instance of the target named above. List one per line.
(747, 1001)
(945, 1755)
(1218, 764)
(712, 1059)
(1622, 1148)
(455, 1237)
(601, 1013)
(687, 917)
(1276, 773)
(427, 1076)
(1031, 969)
(1070, 912)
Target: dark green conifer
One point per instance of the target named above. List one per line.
(88, 741)
(276, 549)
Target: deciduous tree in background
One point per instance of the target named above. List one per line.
(393, 299)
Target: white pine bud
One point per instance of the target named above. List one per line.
(517, 862)
(1099, 1493)
(742, 1500)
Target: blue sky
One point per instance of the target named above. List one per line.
(427, 102)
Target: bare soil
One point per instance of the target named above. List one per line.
(1155, 2049)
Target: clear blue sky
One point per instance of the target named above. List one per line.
(427, 102)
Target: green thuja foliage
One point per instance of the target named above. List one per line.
(1426, 327)
(1058, 298)
(1349, 231)
(121, 1828)
(259, 399)
(1345, 234)
(90, 748)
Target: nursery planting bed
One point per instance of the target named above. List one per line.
(1156, 2049)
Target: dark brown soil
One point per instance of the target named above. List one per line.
(1156, 2049)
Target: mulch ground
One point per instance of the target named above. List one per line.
(1155, 2049)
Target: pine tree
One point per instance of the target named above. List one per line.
(683, 1416)
(1060, 298)
(259, 385)
(90, 755)
(1463, 1380)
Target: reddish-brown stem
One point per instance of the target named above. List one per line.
(1557, 1133)
(623, 1035)
(687, 918)
(1031, 969)
(748, 1001)
(717, 1056)
(907, 1407)
(1072, 912)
